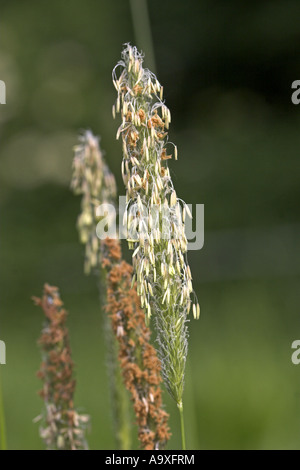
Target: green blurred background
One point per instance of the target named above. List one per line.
(227, 69)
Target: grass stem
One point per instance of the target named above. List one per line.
(3, 445)
(180, 407)
(142, 30)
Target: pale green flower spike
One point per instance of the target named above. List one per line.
(94, 181)
(163, 277)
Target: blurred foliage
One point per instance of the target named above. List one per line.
(227, 69)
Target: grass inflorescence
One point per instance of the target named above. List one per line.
(138, 359)
(63, 427)
(164, 280)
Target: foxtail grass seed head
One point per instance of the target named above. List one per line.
(138, 359)
(95, 182)
(157, 259)
(63, 427)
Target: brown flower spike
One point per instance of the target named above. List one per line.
(138, 358)
(64, 428)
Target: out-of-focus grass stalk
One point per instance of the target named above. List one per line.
(93, 180)
(3, 445)
(118, 395)
(137, 357)
(142, 30)
(63, 428)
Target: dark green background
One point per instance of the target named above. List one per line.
(227, 68)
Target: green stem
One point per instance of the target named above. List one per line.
(180, 407)
(142, 30)
(3, 445)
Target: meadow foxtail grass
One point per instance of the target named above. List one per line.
(137, 357)
(155, 216)
(93, 180)
(63, 427)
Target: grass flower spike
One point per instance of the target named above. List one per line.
(158, 236)
(138, 360)
(93, 180)
(64, 427)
